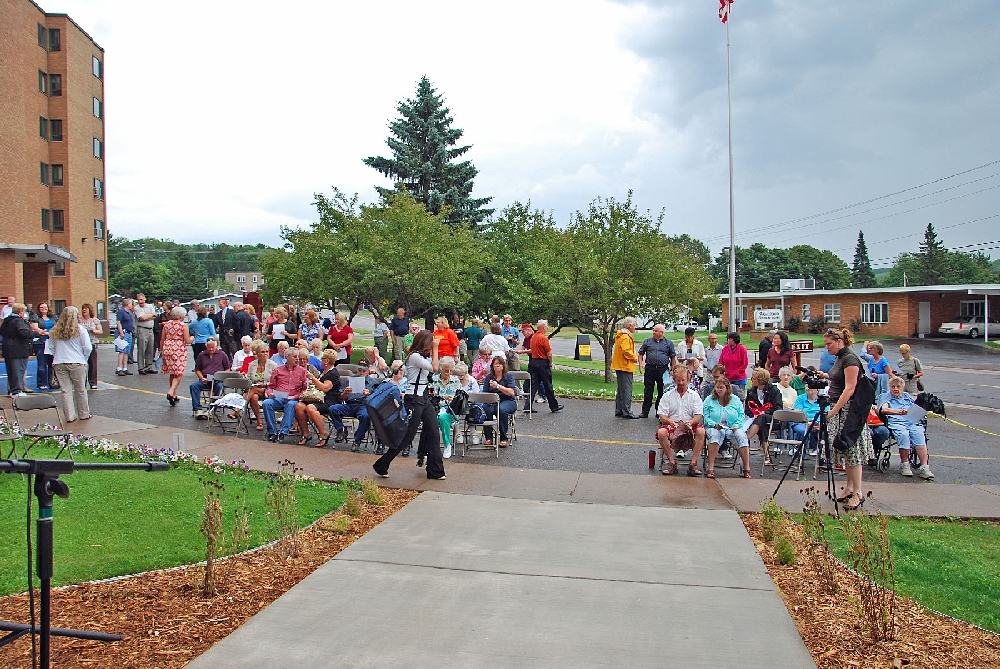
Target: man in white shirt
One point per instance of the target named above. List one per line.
(681, 425)
(712, 352)
(193, 312)
(8, 308)
(144, 314)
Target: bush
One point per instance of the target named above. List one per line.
(793, 324)
(785, 549)
(855, 325)
(817, 325)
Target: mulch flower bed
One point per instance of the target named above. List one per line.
(163, 615)
(832, 629)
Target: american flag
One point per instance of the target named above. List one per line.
(724, 6)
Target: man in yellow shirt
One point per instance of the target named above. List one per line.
(623, 362)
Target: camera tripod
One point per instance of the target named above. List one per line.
(47, 486)
(823, 441)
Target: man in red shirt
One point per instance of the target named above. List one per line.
(540, 366)
(447, 339)
(283, 390)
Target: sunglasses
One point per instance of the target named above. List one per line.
(832, 334)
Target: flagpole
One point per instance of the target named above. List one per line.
(732, 216)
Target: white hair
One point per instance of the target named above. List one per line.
(628, 322)
(246, 339)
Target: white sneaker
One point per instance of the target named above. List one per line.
(905, 470)
(540, 400)
(924, 472)
(447, 451)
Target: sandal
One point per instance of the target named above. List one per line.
(304, 440)
(233, 415)
(694, 471)
(260, 428)
(845, 497)
(747, 474)
(503, 443)
(323, 441)
(710, 474)
(855, 507)
(670, 469)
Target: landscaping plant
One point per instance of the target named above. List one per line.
(281, 510)
(868, 553)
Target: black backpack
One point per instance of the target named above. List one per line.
(460, 403)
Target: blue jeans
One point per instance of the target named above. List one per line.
(359, 411)
(272, 404)
(196, 388)
(507, 407)
(907, 434)
(737, 437)
(43, 376)
(799, 432)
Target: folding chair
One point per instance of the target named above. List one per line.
(40, 402)
(782, 416)
(519, 377)
(347, 369)
(219, 414)
(488, 400)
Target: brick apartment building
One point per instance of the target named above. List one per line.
(901, 311)
(52, 213)
(246, 282)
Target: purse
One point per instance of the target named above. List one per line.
(920, 386)
(312, 395)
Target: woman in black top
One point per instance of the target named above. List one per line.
(843, 381)
(763, 399)
(420, 364)
(501, 382)
(329, 383)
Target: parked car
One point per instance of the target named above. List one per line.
(679, 327)
(969, 326)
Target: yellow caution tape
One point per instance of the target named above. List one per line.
(950, 420)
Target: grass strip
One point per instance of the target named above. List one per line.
(124, 522)
(951, 566)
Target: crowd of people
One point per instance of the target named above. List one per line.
(702, 394)
(721, 409)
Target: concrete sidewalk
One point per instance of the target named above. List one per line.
(457, 580)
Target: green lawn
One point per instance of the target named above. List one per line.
(949, 566)
(125, 522)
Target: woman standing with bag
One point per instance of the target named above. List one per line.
(71, 347)
(420, 365)
(844, 376)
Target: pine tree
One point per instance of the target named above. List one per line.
(934, 267)
(862, 275)
(423, 145)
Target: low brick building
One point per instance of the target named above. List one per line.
(902, 311)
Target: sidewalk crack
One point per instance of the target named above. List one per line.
(579, 475)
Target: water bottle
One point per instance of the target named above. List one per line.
(652, 458)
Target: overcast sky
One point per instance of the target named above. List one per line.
(224, 118)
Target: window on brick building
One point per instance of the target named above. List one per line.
(98, 189)
(241, 279)
(101, 310)
(43, 37)
(831, 312)
(875, 313)
(55, 130)
(59, 269)
(57, 175)
(98, 68)
(46, 219)
(972, 308)
(98, 229)
(99, 269)
(55, 39)
(806, 313)
(43, 82)
(43, 127)
(98, 149)
(43, 173)
(97, 108)
(58, 220)
(55, 85)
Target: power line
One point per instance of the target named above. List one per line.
(876, 199)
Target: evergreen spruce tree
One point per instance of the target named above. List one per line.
(862, 275)
(423, 146)
(934, 265)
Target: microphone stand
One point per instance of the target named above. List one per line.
(47, 486)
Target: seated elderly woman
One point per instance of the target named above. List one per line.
(469, 383)
(894, 405)
(243, 357)
(281, 354)
(316, 353)
(481, 366)
(259, 373)
(377, 366)
(303, 354)
(723, 416)
(444, 385)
